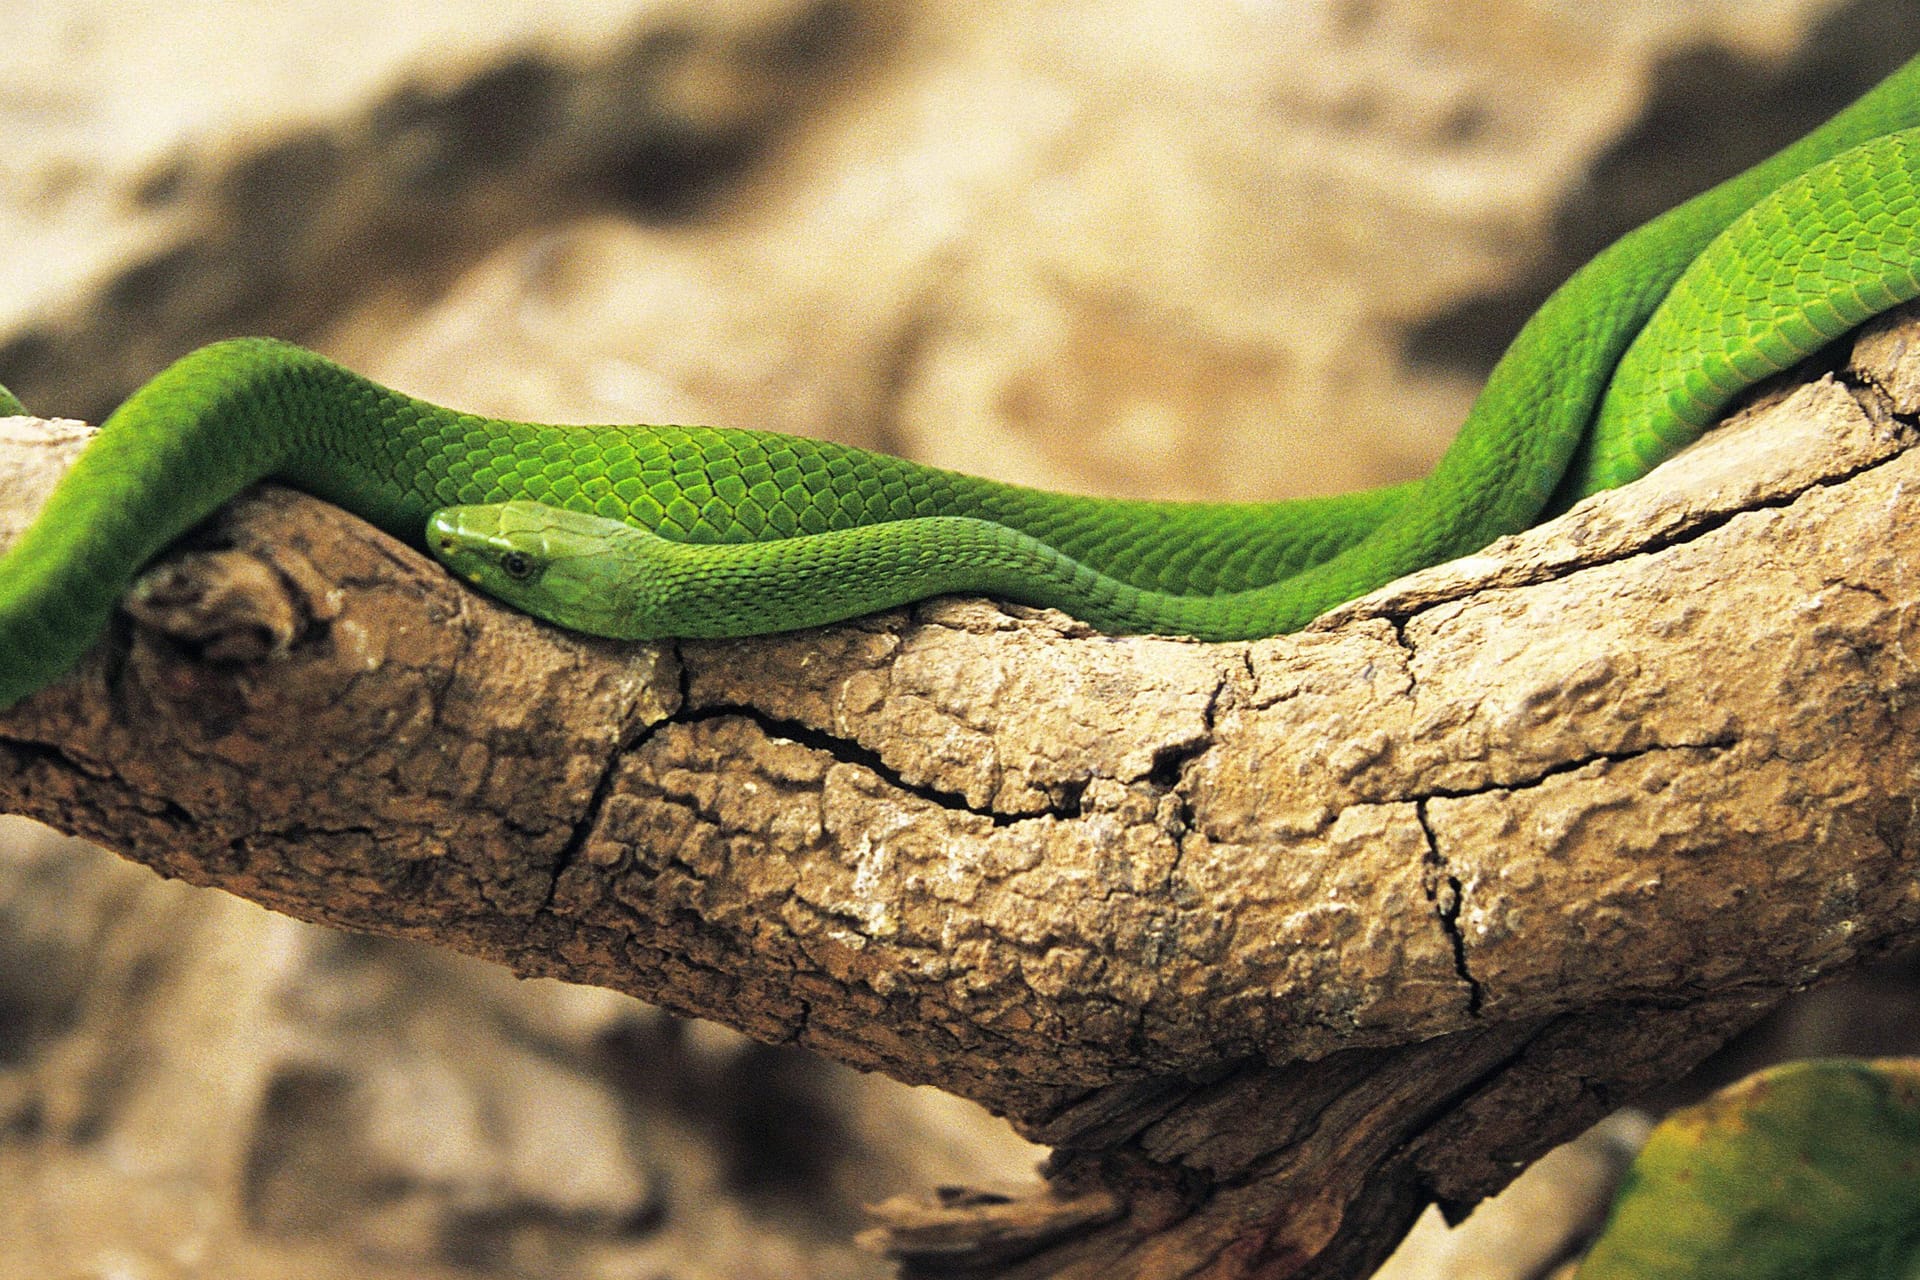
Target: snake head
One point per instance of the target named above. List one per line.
(583, 572)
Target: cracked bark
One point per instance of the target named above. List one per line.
(1274, 943)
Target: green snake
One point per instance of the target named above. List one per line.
(659, 531)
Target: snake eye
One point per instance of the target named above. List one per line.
(515, 564)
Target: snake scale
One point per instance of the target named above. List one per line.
(655, 531)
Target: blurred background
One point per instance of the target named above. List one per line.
(1200, 248)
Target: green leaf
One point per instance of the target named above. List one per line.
(1811, 1169)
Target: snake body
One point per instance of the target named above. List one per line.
(739, 532)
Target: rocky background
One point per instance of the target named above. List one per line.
(1231, 249)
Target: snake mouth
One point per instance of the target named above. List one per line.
(457, 534)
(447, 529)
(461, 546)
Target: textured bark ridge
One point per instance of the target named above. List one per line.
(1274, 942)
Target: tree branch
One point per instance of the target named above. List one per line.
(1275, 942)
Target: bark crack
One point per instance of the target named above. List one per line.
(847, 751)
(1719, 742)
(1448, 897)
(630, 741)
(28, 752)
(1701, 525)
(1168, 762)
(1712, 522)
(588, 822)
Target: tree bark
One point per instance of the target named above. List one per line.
(1274, 942)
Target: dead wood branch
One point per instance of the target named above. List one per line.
(1276, 942)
